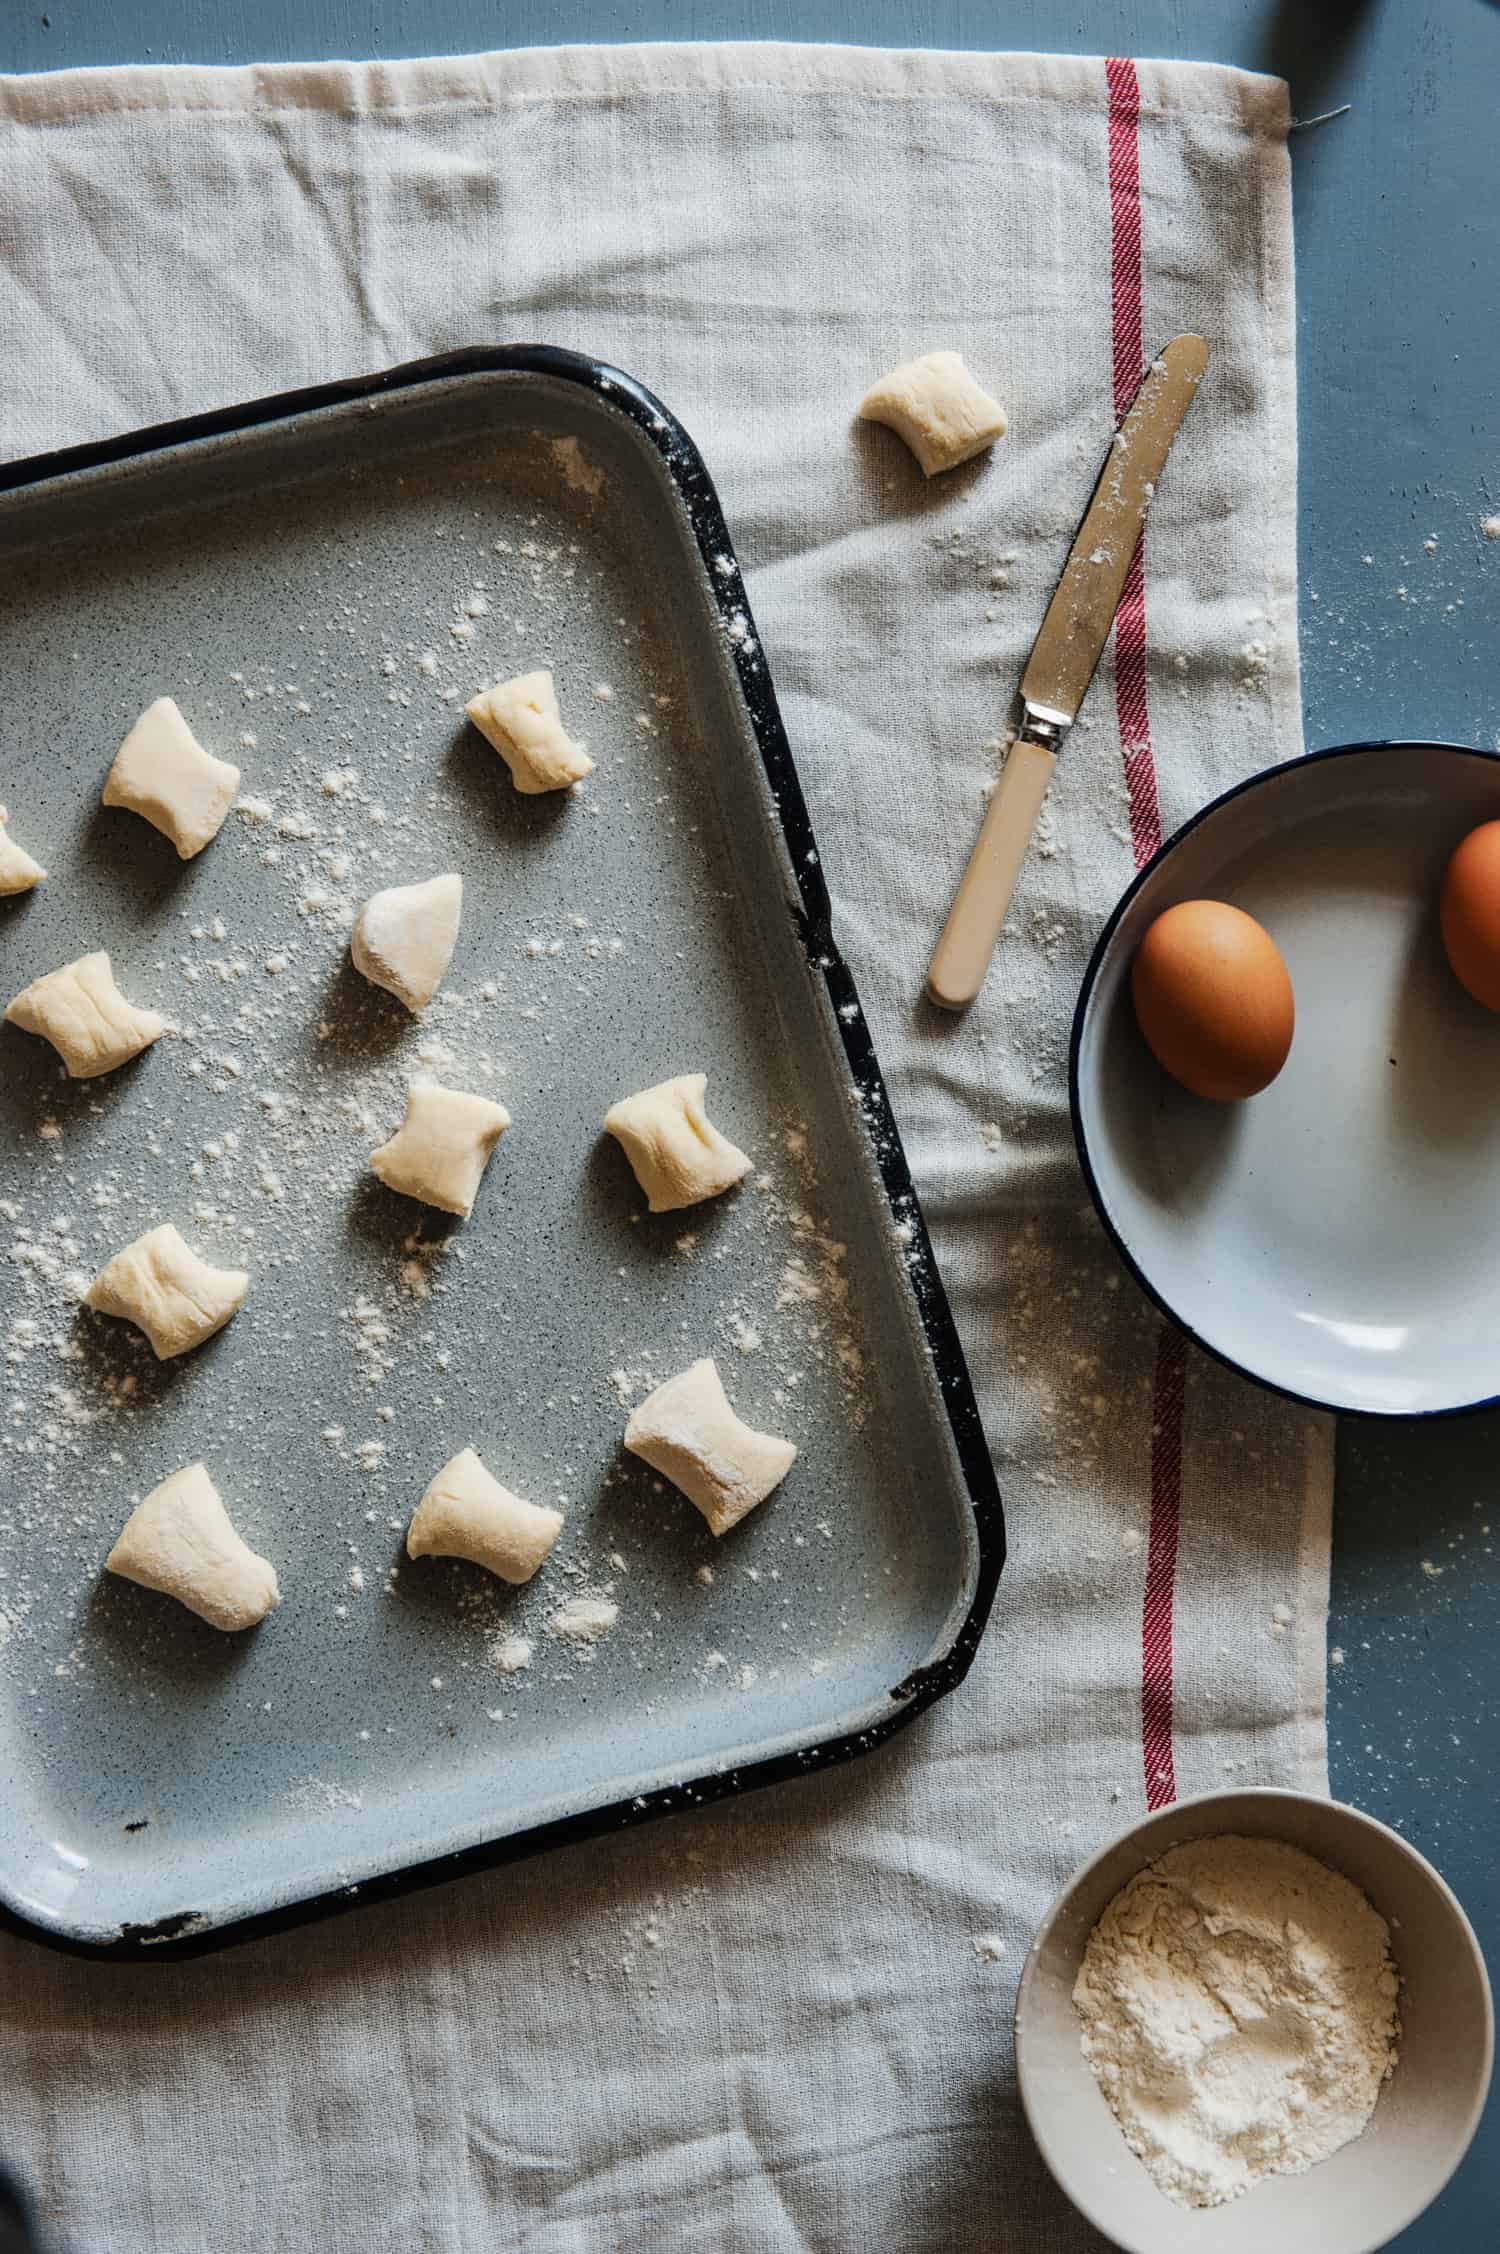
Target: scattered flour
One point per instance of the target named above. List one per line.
(578, 471)
(799, 1286)
(583, 1620)
(316, 1792)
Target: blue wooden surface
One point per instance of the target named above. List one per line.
(1398, 247)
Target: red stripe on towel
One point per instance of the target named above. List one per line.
(1125, 227)
(1168, 1394)
(1129, 367)
(1170, 1381)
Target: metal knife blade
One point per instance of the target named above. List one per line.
(1061, 666)
(1082, 611)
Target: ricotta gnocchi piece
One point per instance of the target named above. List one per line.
(687, 1430)
(403, 938)
(467, 1513)
(160, 1284)
(181, 1541)
(677, 1154)
(82, 1012)
(18, 872)
(935, 405)
(522, 721)
(163, 773)
(442, 1147)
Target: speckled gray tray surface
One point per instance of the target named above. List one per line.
(320, 595)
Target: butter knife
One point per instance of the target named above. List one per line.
(1061, 666)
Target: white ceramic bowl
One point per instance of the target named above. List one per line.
(1338, 1236)
(1361, 2197)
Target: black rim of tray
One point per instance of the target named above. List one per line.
(180, 1934)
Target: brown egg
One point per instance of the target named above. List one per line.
(1470, 912)
(1213, 999)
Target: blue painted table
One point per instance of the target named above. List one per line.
(1398, 243)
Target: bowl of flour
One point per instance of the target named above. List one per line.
(1257, 2018)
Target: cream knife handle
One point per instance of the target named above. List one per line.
(962, 955)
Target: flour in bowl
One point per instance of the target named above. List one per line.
(1238, 2002)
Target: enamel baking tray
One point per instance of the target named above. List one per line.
(321, 579)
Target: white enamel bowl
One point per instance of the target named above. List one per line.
(1361, 2197)
(1338, 1236)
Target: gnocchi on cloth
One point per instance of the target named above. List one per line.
(687, 1430)
(82, 1012)
(181, 1540)
(935, 405)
